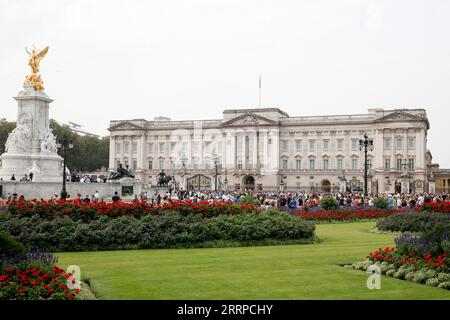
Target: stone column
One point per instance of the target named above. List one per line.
(378, 150)
(112, 152)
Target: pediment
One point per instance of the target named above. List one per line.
(125, 125)
(249, 119)
(399, 116)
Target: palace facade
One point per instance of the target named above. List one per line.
(267, 149)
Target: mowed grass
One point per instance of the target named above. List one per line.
(308, 271)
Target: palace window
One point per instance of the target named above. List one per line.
(298, 145)
(173, 146)
(150, 164)
(208, 147)
(284, 146)
(369, 164)
(285, 164)
(298, 165)
(354, 164)
(411, 143)
(150, 147)
(161, 147)
(184, 147)
(196, 147)
(399, 143)
(411, 164)
(161, 164)
(134, 164)
(354, 144)
(125, 147)
(196, 165)
(399, 164)
(387, 164)
(326, 144)
(325, 164)
(118, 147)
(340, 164)
(312, 145)
(387, 143)
(311, 164)
(340, 144)
(134, 148)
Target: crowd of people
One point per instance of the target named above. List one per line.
(280, 200)
(294, 200)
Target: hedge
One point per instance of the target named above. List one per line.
(154, 231)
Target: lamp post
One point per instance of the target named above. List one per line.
(216, 163)
(183, 159)
(225, 181)
(366, 144)
(404, 166)
(64, 144)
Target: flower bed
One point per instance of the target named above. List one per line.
(435, 207)
(429, 270)
(25, 282)
(78, 210)
(422, 258)
(345, 214)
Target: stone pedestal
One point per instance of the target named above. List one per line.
(31, 146)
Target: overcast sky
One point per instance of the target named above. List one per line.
(190, 59)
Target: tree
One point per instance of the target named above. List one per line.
(5, 128)
(88, 154)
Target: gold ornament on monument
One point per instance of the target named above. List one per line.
(34, 78)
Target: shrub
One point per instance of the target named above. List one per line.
(432, 282)
(414, 221)
(249, 200)
(10, 247)
(445, 245)
(329, 203)
(155, 231)
(381, 203)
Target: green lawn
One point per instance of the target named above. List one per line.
(276, 272)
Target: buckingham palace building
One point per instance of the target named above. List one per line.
(267, 149)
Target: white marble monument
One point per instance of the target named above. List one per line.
(31, 146)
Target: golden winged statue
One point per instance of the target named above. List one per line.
(34, 78)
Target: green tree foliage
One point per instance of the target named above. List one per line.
(381, 203)
(329, 203)
(89, 153)
(5, 128)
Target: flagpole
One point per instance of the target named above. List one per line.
(260, 91)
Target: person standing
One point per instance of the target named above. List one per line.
(13, 177)
(115, 197)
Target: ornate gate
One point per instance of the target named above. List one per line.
(199, 182)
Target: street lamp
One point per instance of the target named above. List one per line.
(225, 181)
(64, 144)
(183, 159)
(366, 144)
(216, 159)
